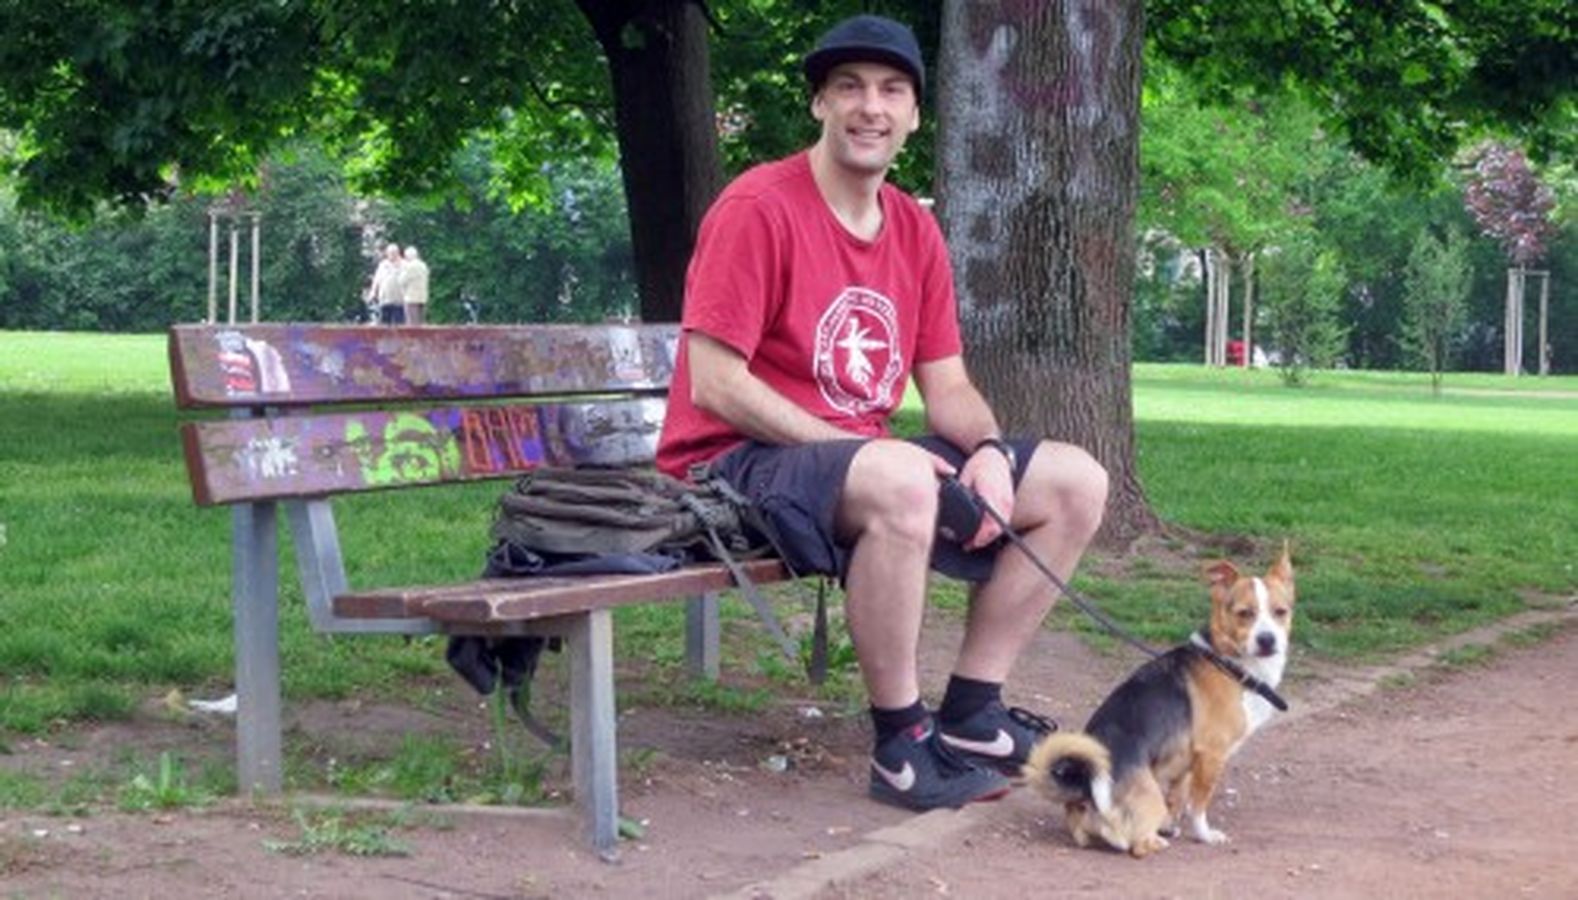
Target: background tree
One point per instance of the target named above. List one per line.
(1509, 202)
(1512, 205)
(659, 62)
(1038, 176)
(1037, 159)
(1435, 303)
(1224, 177)
(1302, 298)
(563, 257)
(117, 99)
(1402, 81)
(1370, 219)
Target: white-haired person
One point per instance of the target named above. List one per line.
(413, 283)
(385, 291)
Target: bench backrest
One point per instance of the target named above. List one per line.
(317, 410)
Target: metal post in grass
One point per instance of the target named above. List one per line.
(235, 249)
(256, 224)
(255, 599)
(1545, 304)
(213, 266)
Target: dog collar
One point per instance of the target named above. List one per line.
(1238, 672)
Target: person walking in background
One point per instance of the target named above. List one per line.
(385, 290)
(413, 284)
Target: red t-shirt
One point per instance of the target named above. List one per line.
(832, 322)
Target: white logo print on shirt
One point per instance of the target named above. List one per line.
(857, 357)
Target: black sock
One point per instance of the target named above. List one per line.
(966, 696)
(889, 722)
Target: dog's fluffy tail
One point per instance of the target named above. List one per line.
(1071, 765)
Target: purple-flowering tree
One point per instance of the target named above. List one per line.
(1509, 202)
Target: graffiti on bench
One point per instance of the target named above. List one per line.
(305, 455)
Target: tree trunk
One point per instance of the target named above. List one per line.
(1038, 153)
(668, 143)
(1249, 309)
(1224, 307)
(1208, 257)
(1513, 339)
(1545, 303)
(1218, 304)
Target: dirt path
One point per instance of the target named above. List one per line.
(1462, 784)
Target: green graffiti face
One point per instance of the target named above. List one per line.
(413, 451)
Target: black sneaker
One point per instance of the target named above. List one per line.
(914, 770)
(998, 736)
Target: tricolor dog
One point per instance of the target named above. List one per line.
(1151, 756)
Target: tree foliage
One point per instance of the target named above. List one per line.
(1435, 302)
(565, 258)
(1302, 297)
(1403, 81)
(568, 259)
(1222, 174)
(1509, 202)
(123, 100)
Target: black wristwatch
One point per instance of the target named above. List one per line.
(1001, 446)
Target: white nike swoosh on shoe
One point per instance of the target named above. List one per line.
(901, 781)
(1001, 746)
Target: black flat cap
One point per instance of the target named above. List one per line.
(867, 39)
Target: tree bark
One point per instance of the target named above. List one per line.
(668, 142)
(1208, 258)
(1219, 304)
(1249, 308)
(1038, 178)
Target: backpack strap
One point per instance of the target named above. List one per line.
(816, 665)
(764, 611)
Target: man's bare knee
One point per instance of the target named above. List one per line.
(891, 487)
(1065, 484)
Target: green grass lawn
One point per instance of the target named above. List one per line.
(1410, 516)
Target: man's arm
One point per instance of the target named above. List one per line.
(955, 410)
(958, 413)
(722, 385)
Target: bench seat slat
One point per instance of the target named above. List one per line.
(309, 363)
(500, 600)
(235, 460)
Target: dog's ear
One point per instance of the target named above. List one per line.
(1221, 573)
(1282, 569)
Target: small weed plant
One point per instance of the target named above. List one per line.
(167, 788)
(332, 831)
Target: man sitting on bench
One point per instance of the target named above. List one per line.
(816, 291)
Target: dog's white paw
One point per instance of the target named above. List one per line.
(1201, 830)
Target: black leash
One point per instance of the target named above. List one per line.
(1199, 641)
(1232, 668)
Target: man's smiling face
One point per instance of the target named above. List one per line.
(867, 111)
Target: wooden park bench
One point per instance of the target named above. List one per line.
(314, 411)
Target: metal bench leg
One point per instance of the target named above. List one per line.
(593, 751)
(254, 592)
(701, 636)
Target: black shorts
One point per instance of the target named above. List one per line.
(797, 490)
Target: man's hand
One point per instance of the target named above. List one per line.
(987, 473)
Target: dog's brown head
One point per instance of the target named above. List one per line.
(1252, 617)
